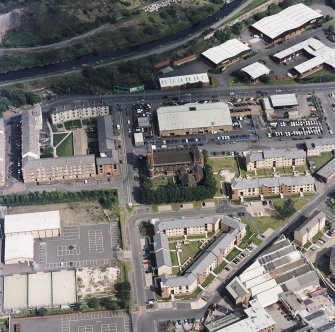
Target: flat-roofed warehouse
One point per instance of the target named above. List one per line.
(39, 224)
(194, 118)
(226, 53)
(168, 83)
(284, 101)
(289, 23)
(19, 249)
(256, 70)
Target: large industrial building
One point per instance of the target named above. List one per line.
(287, 24)
(229, 52)
(81, 111)
(280, 269)
(318, 56)
(194, 118)
(170, 83)
(327, 172)
(314, 224)
(274, 158)
(277, 186)
(21, 230)
(211, 255)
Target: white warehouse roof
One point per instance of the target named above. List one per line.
(29, 222)
(229, 49)
(193, 116)
(19, 247)
(256, 70)
(284, 100)
(288, 19)
(167, 82)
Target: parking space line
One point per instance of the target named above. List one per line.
(71, 233)
(85, 328)
(111, 327)
(95, 241)
(65, 251)
(42, 254)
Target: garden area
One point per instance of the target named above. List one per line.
(58, 137)
(320, 160)
(189, 250)
(65, 149)
(229, 163)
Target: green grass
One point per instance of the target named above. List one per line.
(189, 250)
(66, 147)
(275, 222)
(73, 123)
(328, 23)
(208, 280)
(224, 163)
(218, 180)
(172, 246)
(248, 8)
(159, 182)
(174, 258)
(175, 271)
(317, 237)
(220, 267)
(307, 245)
(232, 254)
(320, 160)
(320, 76)
(57, 138)
(267, 172)
(190, 296)
(247, 239)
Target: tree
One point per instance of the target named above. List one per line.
(76, 306)
(41, 311)
(93, 303)
(330, 29)
(108, 303)
(286, 210)
(265, 79)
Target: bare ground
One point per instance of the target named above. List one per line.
(76, 213)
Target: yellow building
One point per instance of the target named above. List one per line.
(310, 228)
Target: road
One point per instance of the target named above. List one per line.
(147, 321)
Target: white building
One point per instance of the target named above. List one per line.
(167, 83)
(226, 53)
(256, 70)
(39, 224)
(19, 249)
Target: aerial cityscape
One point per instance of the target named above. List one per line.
(167, 166)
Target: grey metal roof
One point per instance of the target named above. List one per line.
(161, 241)
(313, 220)
(221, 243)
(289, 99)
(193, 116)
(106, 140)
(296, 180)
(327, 170)
(284, 153)
(163, 257)
(232, 223)
(202, 263)
(319, 142)
(30, 133)
(236, 288)
(35, 164)
(185, 280)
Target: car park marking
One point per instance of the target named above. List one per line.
(85, 328)
(42, 254)
(71, 233)
(109, 327)
(66, 251)
(95, 241)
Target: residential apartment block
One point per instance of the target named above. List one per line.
(58, 169)
(285, 186)
(81, 111)
(211, 256)
(316, 147)
(310, 228)
(2, 153)
(274, 158)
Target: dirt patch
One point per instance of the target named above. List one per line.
(97, 282)
(76, 213)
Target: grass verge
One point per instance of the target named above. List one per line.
(66, 147)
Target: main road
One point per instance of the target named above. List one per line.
(147, 321)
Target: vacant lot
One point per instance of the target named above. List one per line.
(70, 213)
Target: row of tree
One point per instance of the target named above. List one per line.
(173, 193)
(120, 301)
(105, 197)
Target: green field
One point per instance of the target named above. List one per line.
(57, 138)
(224, 163)
(249, 238)
(321, 160)
(189, 250)
(66, 147)
(174, 258)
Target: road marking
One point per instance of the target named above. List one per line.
(71, 233)
(65, 251)
(42, 254)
